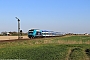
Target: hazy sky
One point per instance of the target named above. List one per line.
(56, 15)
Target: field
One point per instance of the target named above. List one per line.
(55, 48)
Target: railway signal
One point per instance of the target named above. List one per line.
(21, 32)
(18, 27)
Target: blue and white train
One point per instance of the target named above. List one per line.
(33, 33)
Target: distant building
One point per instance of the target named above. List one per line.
(8, 34)
(86, 34)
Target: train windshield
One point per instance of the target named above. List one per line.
(30, 31)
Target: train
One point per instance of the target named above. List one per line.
(34, 33)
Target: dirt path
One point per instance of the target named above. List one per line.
(10, 37)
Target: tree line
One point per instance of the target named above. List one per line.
(12, 33)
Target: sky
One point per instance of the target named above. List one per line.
(55, 15)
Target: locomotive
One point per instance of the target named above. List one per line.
(33, 33)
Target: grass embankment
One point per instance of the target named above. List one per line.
(56, 48)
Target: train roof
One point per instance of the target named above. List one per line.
(34, 29)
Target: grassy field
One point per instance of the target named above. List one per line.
(55, 48)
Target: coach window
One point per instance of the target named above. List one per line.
(43, 33)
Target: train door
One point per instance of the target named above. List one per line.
(38, 34)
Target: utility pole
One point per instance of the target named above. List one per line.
(18, 27)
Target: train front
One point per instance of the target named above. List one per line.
(31, 33)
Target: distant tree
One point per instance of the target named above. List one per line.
(13, 33)
(4, 33)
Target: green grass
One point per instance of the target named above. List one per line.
(47, 52)
(56, 48)
(77, 38)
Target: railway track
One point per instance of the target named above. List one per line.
(12, 40)
(21, 39)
